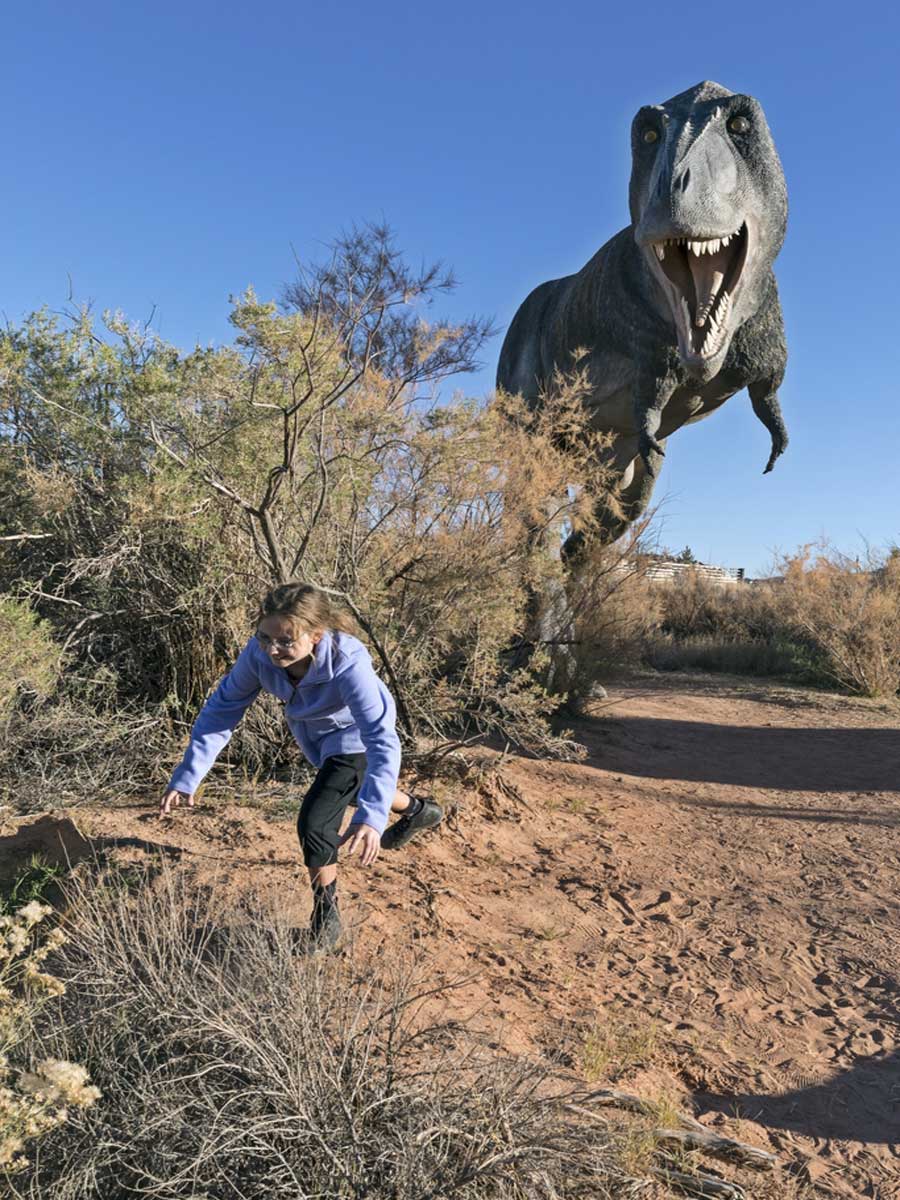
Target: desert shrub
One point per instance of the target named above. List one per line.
(232, 1068)
(850, 609)
(36, 1096)
(692, 605)
(78, 747)
(29, 658)
(825, 618)
(163, 492)
(616, 609)
(742, 629)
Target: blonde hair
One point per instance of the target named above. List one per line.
(307, 607)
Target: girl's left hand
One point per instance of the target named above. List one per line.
(362, 836)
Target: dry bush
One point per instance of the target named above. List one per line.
(32, 1102)
(616, 609)
(850, 608)
(694, 606)
(154, 496)
(825, 618)
(742, 629)
(231, 1068)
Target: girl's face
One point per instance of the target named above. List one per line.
(284, 643)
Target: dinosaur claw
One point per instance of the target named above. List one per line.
(647, 446)
(777, 450)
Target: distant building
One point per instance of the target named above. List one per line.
(668, 570)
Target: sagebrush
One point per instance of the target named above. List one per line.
(231, 1068)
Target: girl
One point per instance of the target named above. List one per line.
(304, 652)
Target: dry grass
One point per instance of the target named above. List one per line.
(618, 1043)
(717, 654)
(827, 619)
(850, 608)
(232, 1068)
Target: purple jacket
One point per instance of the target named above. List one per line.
(340, 706)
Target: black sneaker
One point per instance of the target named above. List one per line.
(325, 926)
(426, 816)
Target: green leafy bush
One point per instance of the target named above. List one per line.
(29, 657)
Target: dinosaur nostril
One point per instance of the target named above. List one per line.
(686, 179)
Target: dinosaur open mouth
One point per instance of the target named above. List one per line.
(702, 276)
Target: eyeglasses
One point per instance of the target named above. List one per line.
(281, 642)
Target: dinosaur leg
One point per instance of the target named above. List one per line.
(636, 496)
(615, 514)
(764, 398)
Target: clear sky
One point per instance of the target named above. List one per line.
(170, 154)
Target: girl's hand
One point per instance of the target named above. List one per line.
(172, 799)
(362, 836)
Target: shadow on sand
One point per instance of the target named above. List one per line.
(58, 841)
(860, 1104)
(781, 759)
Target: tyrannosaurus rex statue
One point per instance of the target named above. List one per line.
(680, 310)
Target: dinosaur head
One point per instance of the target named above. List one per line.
(709, 211)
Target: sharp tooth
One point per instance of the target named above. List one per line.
(714, 245)
(726, 240)
(660, 251)
(695, 248)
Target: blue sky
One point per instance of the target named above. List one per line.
(168, 155)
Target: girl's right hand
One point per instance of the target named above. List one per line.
(172, 799)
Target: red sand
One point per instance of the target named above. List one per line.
(725, 861)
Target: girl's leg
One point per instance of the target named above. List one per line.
(318, 825)
(322, 876)
(401, 802)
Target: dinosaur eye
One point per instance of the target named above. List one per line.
(739, 125)
(650, 135)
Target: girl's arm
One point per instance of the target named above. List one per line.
(216, 722)
(372, 708)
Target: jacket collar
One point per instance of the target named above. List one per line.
(321, 669)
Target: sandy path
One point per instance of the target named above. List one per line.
(725, 862)
(767, 825)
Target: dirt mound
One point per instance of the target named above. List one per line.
(707, 905)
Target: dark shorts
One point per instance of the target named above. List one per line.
(336, 785)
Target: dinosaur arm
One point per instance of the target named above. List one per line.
(651, 395)
(764, 398)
